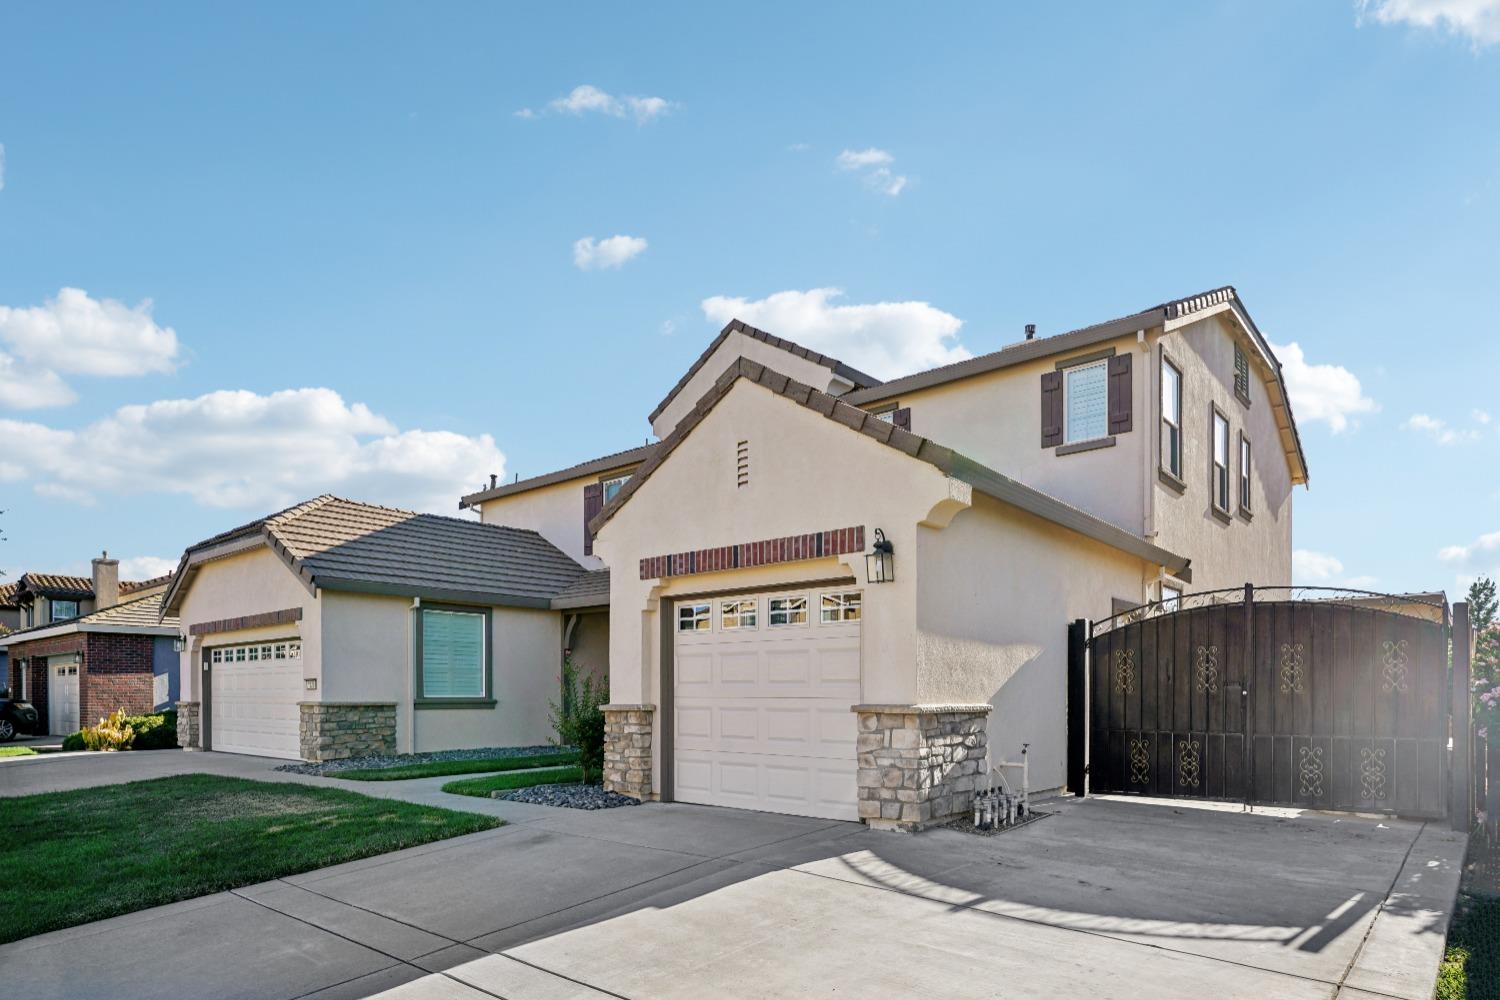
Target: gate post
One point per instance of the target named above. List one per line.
(1246, 697)
(1460, 802)
(1078, 710)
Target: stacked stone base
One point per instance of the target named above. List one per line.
(336, 730)
(627, 750)
(920, 764)
(187, 725)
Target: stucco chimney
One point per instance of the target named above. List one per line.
(106, 582)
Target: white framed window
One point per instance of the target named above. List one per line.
(613, 485)
(1086, 402)
(294, 651)
(63, 610)
(694, 617)
(216, 655)
(1219, 475)
(454, 654)
(739, 614)
(1171, 418)
(241, 653)
(281, 651)
(784, 611)
(253, 654)
(1171, 597)
(841, 607)
(257, 652)
(1244, 474)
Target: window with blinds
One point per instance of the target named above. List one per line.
(452, 654)
(1085, 403)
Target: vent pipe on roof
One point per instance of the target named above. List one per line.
(493, 477)
(1030, 331)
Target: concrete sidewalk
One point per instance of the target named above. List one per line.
(1107, 898)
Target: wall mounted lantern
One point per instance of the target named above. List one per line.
(179, 642)
(880, 562)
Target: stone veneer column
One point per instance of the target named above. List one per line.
(334, 730)
(627, 750)
(919, 764)
(187, 725)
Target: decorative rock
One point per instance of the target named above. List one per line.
(568, 797)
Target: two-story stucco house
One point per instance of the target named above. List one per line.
(764, 651)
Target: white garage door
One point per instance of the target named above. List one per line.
(763, 687)
(255, 689)
(62, 695)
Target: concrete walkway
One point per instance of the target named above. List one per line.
(1107, 898)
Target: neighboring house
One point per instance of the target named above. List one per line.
(112, 653)
(10, 620)
(764, 653)
(335, 628)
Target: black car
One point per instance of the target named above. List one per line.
(17, 718)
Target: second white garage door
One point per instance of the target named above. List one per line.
(255, 688)
(763, 684)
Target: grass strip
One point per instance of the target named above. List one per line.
(92, 853)
(438, 768)
(482, 787)
(17, 752)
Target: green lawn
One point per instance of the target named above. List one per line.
(436, 768)
(93, 853)
(17, 752)
(482, 787)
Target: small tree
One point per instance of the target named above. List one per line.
(1484, 608)
(579, 718)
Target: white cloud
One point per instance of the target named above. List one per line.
(886, 339)
(1480, 416)
(875, 166)
(1480, 555)
(1330, 393)
(145, 567)
(587, 99)
(1477, 20)
(590, 254)
(241, 449)
(77, 335)
(1309, 567)
(1439, 431)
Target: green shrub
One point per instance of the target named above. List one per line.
(579, 720)
(74, 742)
(112, 733)
(157, 731)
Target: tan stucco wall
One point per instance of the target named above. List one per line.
(734, 347)
(248, 583)
(1224, 555)
(996, 419)
(555, 512)
(590, 643)
(368, 657)
(998, 587)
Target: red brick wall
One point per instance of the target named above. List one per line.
(116, 674)
(32, 653)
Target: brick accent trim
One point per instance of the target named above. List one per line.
(285, 616)
(766, 552)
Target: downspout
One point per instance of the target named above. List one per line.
(409, 706)
(1153, 449)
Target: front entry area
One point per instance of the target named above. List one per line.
(254, 689)
(62, 695)
(763, 684)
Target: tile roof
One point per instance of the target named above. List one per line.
(594, 466)
(142, 615)
(346, 545)
(8, 594)
(131, 586)
(854, 375)
(590, 590)
(945, 460)
(57, 584)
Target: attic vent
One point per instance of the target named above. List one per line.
(742, 464)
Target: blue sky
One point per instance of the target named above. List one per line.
(252, 254)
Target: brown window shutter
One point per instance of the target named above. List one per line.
(1052, 409)
(593, 503)
(902, 418)
(1119, 394)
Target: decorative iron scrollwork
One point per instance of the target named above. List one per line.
(1206, 669)
(1372, 773)
(1140, 760)
(1125, 671)
(1310, 771)
(1394, 661)
(1291, 668)
(1189, 758)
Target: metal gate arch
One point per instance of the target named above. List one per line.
(1273, 696)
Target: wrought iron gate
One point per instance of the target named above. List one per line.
(1275, 696)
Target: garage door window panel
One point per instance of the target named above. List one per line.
(787, 611)
(735, 615)
(841, 607)
(454, 665)
(695, 617)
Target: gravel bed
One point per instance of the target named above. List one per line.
(397, 760)
(966, 825)
(568, 797)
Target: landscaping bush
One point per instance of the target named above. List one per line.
(579, 720)
(157, 731)
(112, 733)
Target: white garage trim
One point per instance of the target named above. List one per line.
(254, 689)
(762, 687)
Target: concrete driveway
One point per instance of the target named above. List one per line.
(1104, 898)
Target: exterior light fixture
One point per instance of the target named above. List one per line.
(179, 642)
(880, 562)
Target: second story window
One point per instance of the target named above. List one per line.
(612, 486)
(1171, 418)
(1244, 474)
(1219, 480)
(63, 610)
(1085, 403)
